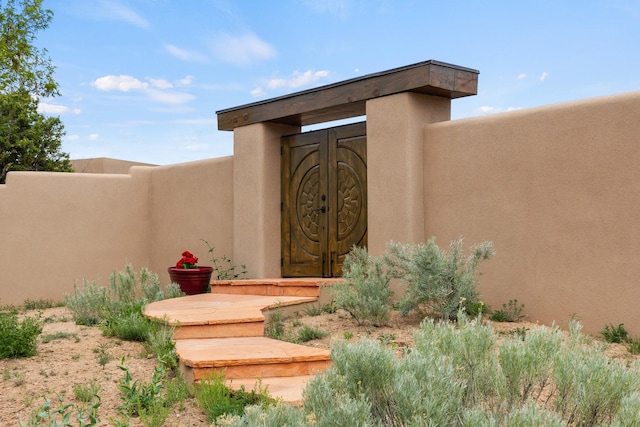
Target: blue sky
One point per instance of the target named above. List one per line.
(141, 80)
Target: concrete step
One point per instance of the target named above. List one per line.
(248, 358)
(218, 315)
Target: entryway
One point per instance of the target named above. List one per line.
(324, 199)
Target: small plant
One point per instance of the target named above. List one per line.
(223, 268)
(510, 312)
(160, 343)
(275, 327)
(63, 414)
(365, 293)
(18, 338)
(59, 336)
(102, 354)
(347, 335)
(138, 396)
(634, 346)
(313, 310)
(615, 334)
(41, 304)
(521, 333)
(19, 379)
(215, 398)
(86, 392)
(307, 333)
(386, 339)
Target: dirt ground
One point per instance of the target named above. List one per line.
(64, 363)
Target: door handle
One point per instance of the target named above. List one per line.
(322, 209)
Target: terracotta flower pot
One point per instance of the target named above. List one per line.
(192, 281)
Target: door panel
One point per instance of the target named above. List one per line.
(323, 199)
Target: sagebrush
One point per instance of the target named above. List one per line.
(437, 281)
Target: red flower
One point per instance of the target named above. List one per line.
(188, 260)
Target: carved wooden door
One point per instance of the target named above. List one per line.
(324, 199)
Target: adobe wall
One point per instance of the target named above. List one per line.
(60, 227)
(57, 228)
(557, 191)
(190, 201)
(104, 165)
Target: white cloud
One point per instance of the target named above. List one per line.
(46, 108)
(185, 55)
(258, 92)
(297, 79)
(522, 76)
(197, 147)
(160, 83)
(543, 76)
(486, 110)
(116, 11)
(338, 8)
(170, 97)
(186, 81)
(243, 49)
(73, 137)
(93, 136)
(156, 89)
(121, 83)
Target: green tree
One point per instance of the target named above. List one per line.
(23, 65)
(28, 140)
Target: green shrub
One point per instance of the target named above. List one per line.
(615, 334)
(215, 398)
(63, 414)
(510, 312)
(457, 376)
(436, 281)
(18, 338)
(87, 392)
(365, 293)
(139, 396)
(308, 333)
(87, 305)
(275, 326)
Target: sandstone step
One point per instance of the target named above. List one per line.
(248, 357)
(289, 389)
(309, 287)
(218, 315)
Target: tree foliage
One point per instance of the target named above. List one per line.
(29, 141)
(22, 64)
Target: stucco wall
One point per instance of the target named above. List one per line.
(557, 189)
(190, 201)
(56, 228)
(104, 165)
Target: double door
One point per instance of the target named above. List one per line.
(324, 199)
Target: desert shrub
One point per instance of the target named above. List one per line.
(615, 334)
(118, 307)
(308, 333)
(278, 415)
(215, 398)
(18, 338)
(510, 312)
(457, 376)
(436, 281)
(87, 305)
(365, 293)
